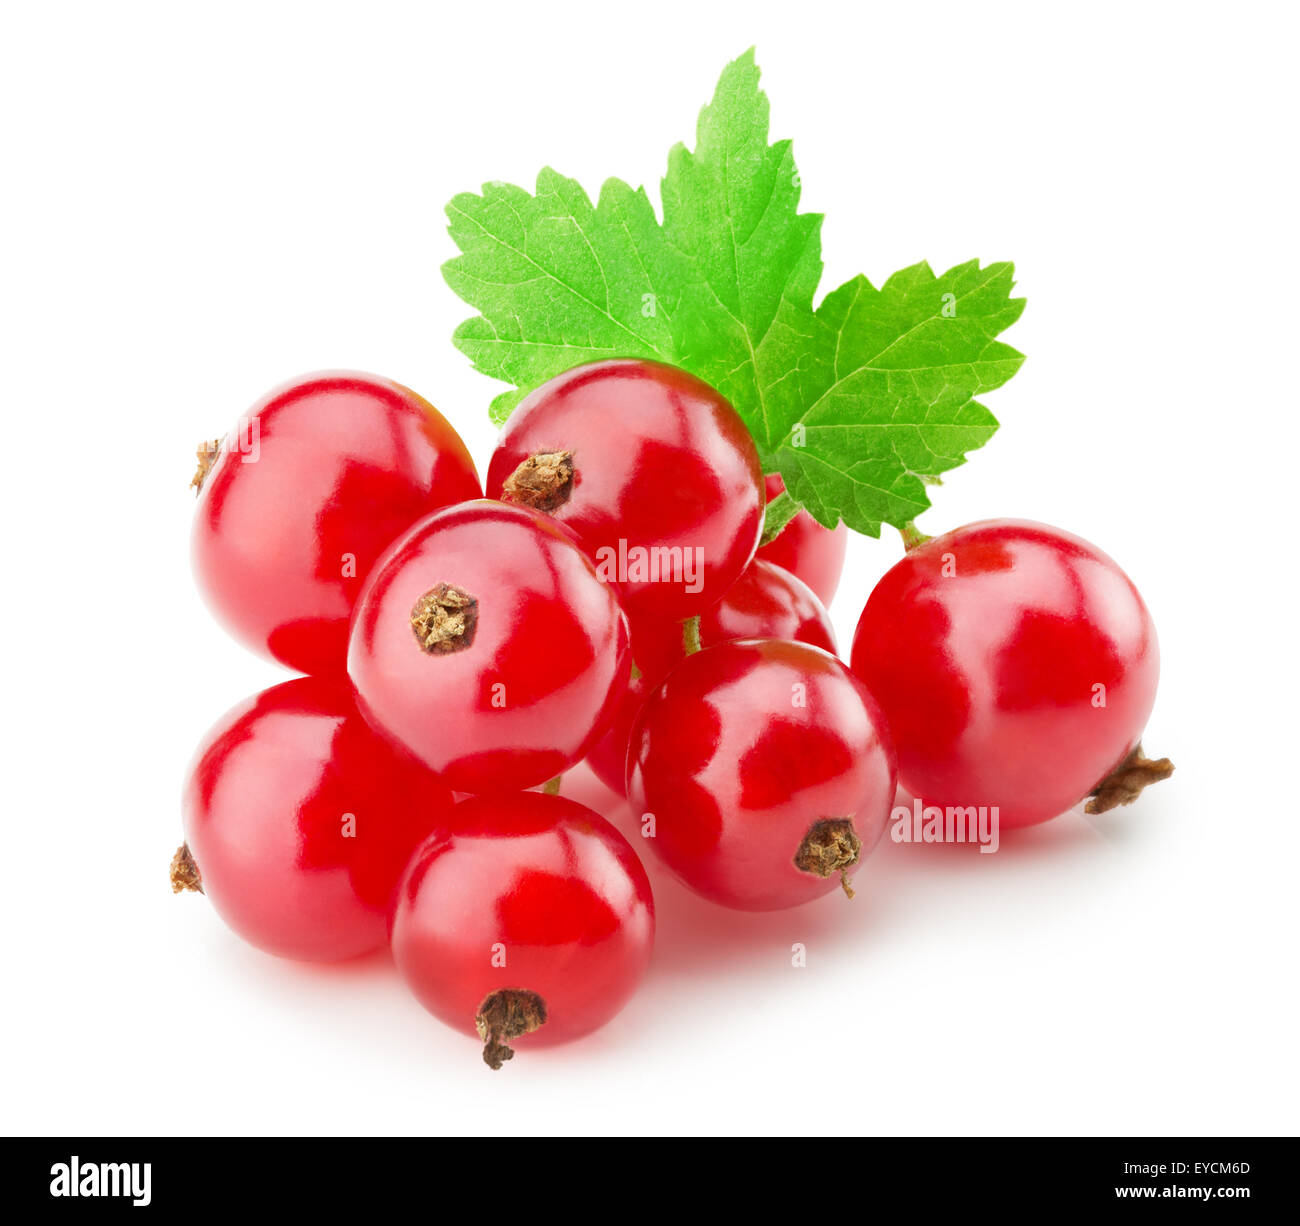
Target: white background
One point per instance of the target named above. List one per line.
(201, 201)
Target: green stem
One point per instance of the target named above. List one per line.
(780, 511)
(691, 635)
(912, 536)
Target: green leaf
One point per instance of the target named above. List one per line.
(558, 281)
(874, 393)
(860, 402)
(731, 208)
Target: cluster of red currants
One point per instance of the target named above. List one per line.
(608, 601)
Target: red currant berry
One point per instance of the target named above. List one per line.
(304, 495)
(299, 821)
(766, 602)
(524, 917)
(806, 549)
(767, 769)
(608, 757)
(652, 471)
(485, 643)
(1016, 665)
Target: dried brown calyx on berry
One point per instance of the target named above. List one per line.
(830, 846)
(506, 1015)
(543, 482)
(444, 619)
(185, 873)
(1127, 781)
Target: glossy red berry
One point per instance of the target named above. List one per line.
(608, 756)
(767, 769)
(653, 472)
(1016, 665)
(806, 549)
(299, 821)
(765, 602)
(524, 918)
(304, 495)
(485, 643)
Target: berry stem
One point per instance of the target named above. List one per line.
(552, 786)
(780, 511)
(912, 536)
(691, 635)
